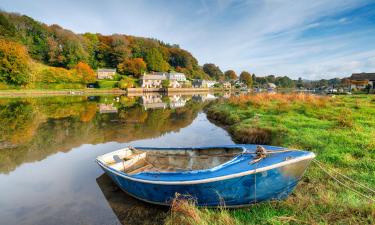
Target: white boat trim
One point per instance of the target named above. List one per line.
(208, 180)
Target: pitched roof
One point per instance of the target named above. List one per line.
(153, 77)
(363, 76)
(106, 70)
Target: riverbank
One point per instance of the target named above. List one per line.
(33, 92)
(340, 130)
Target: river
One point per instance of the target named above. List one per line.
(48, 146)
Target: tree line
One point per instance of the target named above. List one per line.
(31, 51)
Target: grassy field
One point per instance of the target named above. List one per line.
(339, 129)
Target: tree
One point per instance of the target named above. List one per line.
(84, 72)
(213, 71)
(165, 83)
(134, 67)
(246, 78)
(299, 83)
(155, 61)
(14, 63)
(230, 75)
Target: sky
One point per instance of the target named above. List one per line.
(309, 39)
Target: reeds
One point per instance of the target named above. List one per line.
(264, 99)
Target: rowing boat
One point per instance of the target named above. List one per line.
(234, 176)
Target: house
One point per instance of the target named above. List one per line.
(153, 80)
(197, 83)
(227, 85)
(106, 73)
(176, 79)
(361, 80)
(271, 86)
(107, 108)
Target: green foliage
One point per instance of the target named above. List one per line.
(126, 82)
(213, 71)
(230, 75)
(14, 63)
(165, 83)
(155, 61)
(245, 77)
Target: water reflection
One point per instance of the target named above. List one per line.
(129, 210)
(33, 128)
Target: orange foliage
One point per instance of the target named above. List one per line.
(134, 66)
(85, 72)
(14, 63)
(89, 112)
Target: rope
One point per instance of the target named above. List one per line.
(342, 183)
(348, 178)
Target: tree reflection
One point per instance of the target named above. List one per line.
(34, 128)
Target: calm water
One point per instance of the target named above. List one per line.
(48, 146)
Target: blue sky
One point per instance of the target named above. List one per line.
(310, 39)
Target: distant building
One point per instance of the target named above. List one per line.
(227, 85)
(197, 83)
(271, 86)
(176, 76)
(361, 80)
(107, 108)
(153, 80)
(106, 73)
(152, 101)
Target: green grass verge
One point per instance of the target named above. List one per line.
(340, 130)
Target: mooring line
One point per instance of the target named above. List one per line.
(348, 178)
(342, 183)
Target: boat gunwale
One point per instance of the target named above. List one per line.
(311, 155)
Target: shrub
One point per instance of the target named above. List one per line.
(84, 73)
(14, 63)
(126, 82)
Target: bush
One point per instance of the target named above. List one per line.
(126, 82)
(14, 63)
(84, 73)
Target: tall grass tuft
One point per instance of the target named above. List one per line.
(184, 212)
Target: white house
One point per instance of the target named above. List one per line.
(154, 80)
(106, 73)
(197, 83)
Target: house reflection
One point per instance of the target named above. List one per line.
(107, 108)
(153, 101)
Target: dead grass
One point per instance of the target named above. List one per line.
(264, 99)
(184, 212)
(252, 135)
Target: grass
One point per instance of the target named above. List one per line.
(339, 129)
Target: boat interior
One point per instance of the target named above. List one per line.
(133, 161)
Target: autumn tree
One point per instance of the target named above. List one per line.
(155, 61)
(230, 75)
(14, 63)
(134, 67)
(84, 72)
(246, 78)
(213, 71)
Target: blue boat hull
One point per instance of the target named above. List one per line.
(232, 191)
